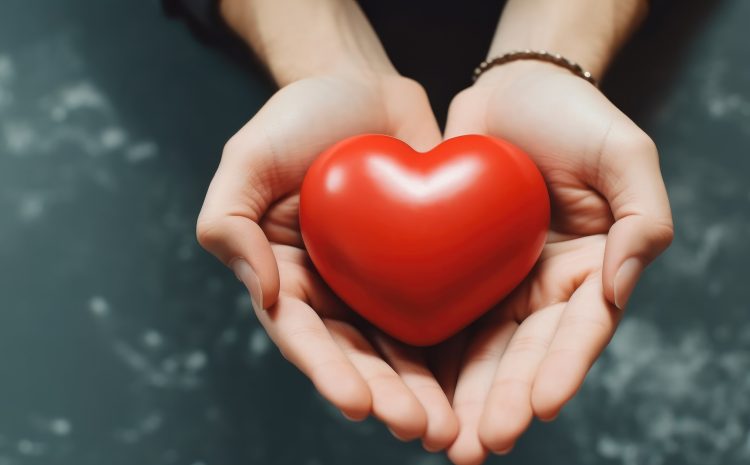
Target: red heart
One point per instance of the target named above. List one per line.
(422, 244)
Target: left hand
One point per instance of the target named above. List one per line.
(610, 218)
(250, 221)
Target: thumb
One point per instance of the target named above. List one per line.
(411, 118)
(264, 161)
(630, 179)
(467, 114)
(228, 222)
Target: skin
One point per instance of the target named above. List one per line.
(251, 211)
(603, 176)
(477, 392)
(610, 218)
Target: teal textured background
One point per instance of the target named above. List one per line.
(121, 342)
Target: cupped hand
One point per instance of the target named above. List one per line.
(610, 218)
(249, 221)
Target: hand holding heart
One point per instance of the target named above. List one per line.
(526, 357)
(610, 209)
(251, 211)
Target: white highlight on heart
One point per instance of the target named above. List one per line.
(443, 182)
(334, 179)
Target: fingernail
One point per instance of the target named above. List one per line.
(247, 276)
(354, 419)
(625, 281)
(400, 438)
(505, 451)
(430, 448)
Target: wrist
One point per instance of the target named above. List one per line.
(296, 39)
(508, 73)
(588, 32)
(287, 68)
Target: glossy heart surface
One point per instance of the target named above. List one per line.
(422, 244)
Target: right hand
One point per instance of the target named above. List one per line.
(609, 211)
(249, 221)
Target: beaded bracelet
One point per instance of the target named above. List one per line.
(541, 55)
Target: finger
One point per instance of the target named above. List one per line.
(238, 241)
(262, 163)
(410, 364)
(585, 328)
(299, 279)
(508, 412)
(392, 401)
(281, 222)
(237, 198)
(474, 381)
(466, 115)
(632, 183)
(411, 116)
(305, 341)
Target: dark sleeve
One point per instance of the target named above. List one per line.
(202, 17)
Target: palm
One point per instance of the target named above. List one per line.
(357, 368)
(529, 356)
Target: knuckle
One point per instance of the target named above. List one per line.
(382, 379)
(511, 383)
(628, 141)
(638, 143)
(644, 143)
(325, 366)
(232, 145)
(657, 233)
(663, 233)
(527, 344)
(308, 335)
(209, 233)
(426, 388)
(596, 328)
(487, 356)
(468, 404)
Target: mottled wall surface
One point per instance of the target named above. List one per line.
(121, 342)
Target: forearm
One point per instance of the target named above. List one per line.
(300, 38)
(586, 31)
